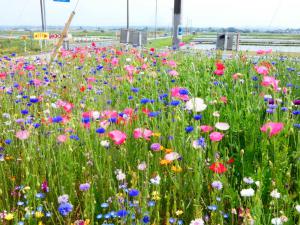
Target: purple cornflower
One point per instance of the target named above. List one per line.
(84, 187)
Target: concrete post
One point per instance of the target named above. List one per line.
(176, 22)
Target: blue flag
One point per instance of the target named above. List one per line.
(61, 0)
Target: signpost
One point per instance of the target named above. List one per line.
(40, 36)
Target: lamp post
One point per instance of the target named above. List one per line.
(155, 29)
(176, 22)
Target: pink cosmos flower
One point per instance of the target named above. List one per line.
(62, 138)
(2, 76)
(115, 61)
(175, 93)
(216, 136)
(22, 134)
(30, 67)
(173, 73)
(172, 63)
(272, 128)
(262, 70)
(117, 136)
(206, 128)
(270, 81)
(142, 133)
(129, 69)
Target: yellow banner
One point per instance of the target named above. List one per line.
(40, 36)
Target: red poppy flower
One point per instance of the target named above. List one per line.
(218, 168)
(230, 161)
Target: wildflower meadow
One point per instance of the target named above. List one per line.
(116, 135)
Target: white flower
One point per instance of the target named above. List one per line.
(216, 114)
(275, 194)
(222, 126)
(198, 221)
(297, 208)
(6, 115)
(95, 114)
(172, 156)
(105, 143)
(120, 175)
(247, 192)
(142, 166)
(63, 199)
(155, 180)
(248, 180)
(128, 59)
(277, 221)
(196, 104)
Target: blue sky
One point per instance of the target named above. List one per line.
(216, 13)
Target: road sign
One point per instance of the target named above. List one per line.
(55, 36)
(41, 36)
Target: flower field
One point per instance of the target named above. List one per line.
(116, 136)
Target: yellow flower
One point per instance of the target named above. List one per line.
(40, 223)
(87, 222)
(155, 195)
(156, 134)
(179, 212)
(164, 162)
(176, 169)
(39, 215)
(168, 150)
(9, 216)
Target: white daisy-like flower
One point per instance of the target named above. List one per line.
(297, 207)
(276, 221)
(197, 221)
(216, 114)
(275, 194)
(196, 104)
(248, 180)
(105, 143)
(142, 166)
(222, 126)
(155, 180)
(247, 192)
(172, 156)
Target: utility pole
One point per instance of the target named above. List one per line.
(42, 14)
(127, 14)
(176, 22)
(155, 32)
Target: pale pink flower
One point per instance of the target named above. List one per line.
(216, 136)
(272, 128)
(172, 156)
(262, 70)
(22, 134)
(270, 81)
(142, 133)
(173, 73)
(62, 138)
(117, 136)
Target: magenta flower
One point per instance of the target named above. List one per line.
(216, 136)
(175, 92)
(272, 128)
(270, 81)
(117, 136)
(262, 70)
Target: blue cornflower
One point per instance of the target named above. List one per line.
(65, 208)
(270, 111)
(189, 129)
(122, 213)
(74, 137)
(112, 120)
(163, 96)
(297, 125)
(135, 90)
(34, 99)
(85, 120)
(24, 111)
(99, 216)
(212, 207)
(8, 141)
(36, 125)
(175, 102)
(133, 193)
(172, 220)
(100, 130)
(153, 114)
(144, 101)
(40, 195)
(146, 219)
(183, 92)
(296, 112)
(57, 119)
(198, 117)
(284, 109)
(151, 203)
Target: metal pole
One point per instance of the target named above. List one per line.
(155, 32)
(176, 21)
(42, 15)
(127, 14)
(44, 10)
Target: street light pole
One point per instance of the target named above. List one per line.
(176, 22)
(42, 15)
(155, 32)
(127, 14)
